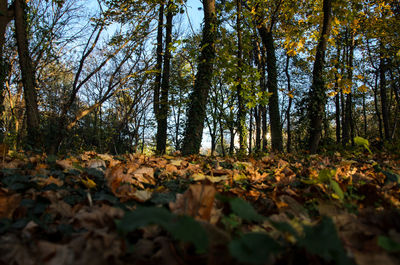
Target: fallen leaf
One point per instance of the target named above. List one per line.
(197, 202)
(9, 202)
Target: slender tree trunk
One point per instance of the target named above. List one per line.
(337, 100)
(260, 110)
(364, 109)
(317, 92)
(348, 128)
(250, 131)
(198, 99)
(6, 15)
(28, 74)
(384, 107)
(158, 66)
(257, 118)
(289, 88)
(241, 116)
(162, 125)
(221, 132)
(378, 113)
(232, 141)
(272, 85)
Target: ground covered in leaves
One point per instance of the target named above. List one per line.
(133, 209)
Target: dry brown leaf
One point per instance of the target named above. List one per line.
(96, 216)
(61, 208)
(65, 164)
(197, 202)
(42, 182)
(96, 164)
(142, 195)
(13, 251)
(8, 203)
(54, 254)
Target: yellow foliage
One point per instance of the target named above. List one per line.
(363, 88)
(332, 94)
(90, 184)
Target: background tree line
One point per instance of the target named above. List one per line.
(133, 76)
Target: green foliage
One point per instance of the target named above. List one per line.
(181, 227)
(254, 248)
(359, 141)
(388, 244)
(322, 240)
(245, 210)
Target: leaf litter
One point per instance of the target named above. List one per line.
(134, 209)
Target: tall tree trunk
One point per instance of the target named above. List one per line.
(251, 131)
(272, 85)
(198, 99)
(6, 15)
(260, 113)
(348, 126)
(337, 101)
(28, 74)
(384, 107)
(289, 88)
(162, 125)
(378, 113)
(257, 118)
(241, 116)
(158, 66)
(364, 109)
(232, 141)
(317, 95)
(221, 132)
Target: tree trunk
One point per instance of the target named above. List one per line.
(317, 97)
(272, 85)
(241, 116)
(257, 118)
(158, 66)
(289, 132)
(6, 15)
(378, 113)
(198, 99)
(260, 110)
(337, 101)
(348, 126)
(28, 74)
(384, 107)
(232, 141)
(250, 131)
(162, 125)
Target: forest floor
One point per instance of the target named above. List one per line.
(134, 209)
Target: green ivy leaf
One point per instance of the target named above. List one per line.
(338, 191)
(388, 244)
(253, 248)
(181, 227)
(325, 175)
(245, 210)
(322, 240)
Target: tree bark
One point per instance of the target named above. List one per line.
(158, 66)
(348, 127)
(6, 15)
(241, 116)
(317, 97)
(272, 85)
(289, 132)
(28, 74)
(198, 99)
(384, 107)
(162, 125)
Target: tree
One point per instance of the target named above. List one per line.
(317, 95)
(266, 34)
(198, 99)
(28, 74)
